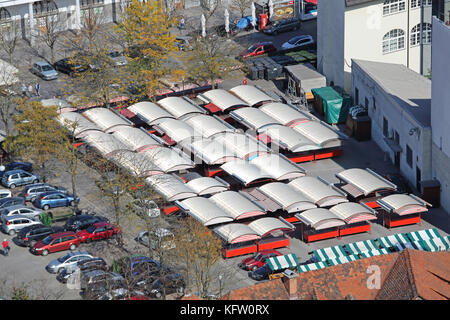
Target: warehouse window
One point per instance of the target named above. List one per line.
(409, 156)
(418, 3)
(426, 34)
(394, 40)
(393, 6)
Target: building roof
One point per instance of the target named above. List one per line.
(251, 94)
(150, 112)
(284, 114)
(106, 119)
(351, 3)
(410, 91)
(180, 107)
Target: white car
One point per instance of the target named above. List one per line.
(5, 193)
(67, 260)
(298, 41)
(13, 224)
(29, 212)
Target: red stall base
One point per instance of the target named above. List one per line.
(331, 154)
(401, 222)
(273, 244)
(228, 253)
(353, 230)
(371, 204)
(169, 210)
(302, 158)
(212, 173)
(321, 236)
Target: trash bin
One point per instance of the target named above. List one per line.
(261, 72)
(46, 218)
(253, 73)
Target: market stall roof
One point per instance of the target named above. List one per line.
(285, 114)
(236, 205)
(403, 204)
(435, 244)
(289, 139)
(76, 123)
(135, 163)
(319, 192)
(180, 107)
(208, 126)
(320, 218)
(106, 119)
(150, 112)
(104, 143)
(352, 212)
(278, 166)
(168, 159)
(318, 132)
(250, 94)
(423, 234)
(244, 171)
(207, 185)
(392, 240)
(341, 260)
(205, 211)
(242, 145)
(361, 246)
(137, 139)
(211, 152)
(236, 232)
(179, 131)
(329, 253)
(363, 182)
(287, 197)
(264, 226)
(373, 253)
(170, 187)
(222, 99)
(253, 118)
(282, 262)
(312, 266)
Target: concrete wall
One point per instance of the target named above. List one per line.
(398, 120)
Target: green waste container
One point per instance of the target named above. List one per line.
(46, 218)
(335, 106)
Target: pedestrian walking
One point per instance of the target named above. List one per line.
(30, 90)
(37, 87)
(5, 245)
(182, 26)
(24, 89)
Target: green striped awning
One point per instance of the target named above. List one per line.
(330, 253)
(282, 262)
(436, 244)
(408, 245)
(391, 241)
(341, 260)
(372, 253)
(361, 246)
(312, 266)
(423, 234)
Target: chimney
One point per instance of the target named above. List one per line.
(290, 282)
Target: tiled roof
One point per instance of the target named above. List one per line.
(407, 275)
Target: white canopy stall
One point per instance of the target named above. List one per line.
(106, 119)
(251, 95)
(149, 112)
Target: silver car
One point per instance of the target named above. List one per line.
(67, 260)
(44, 70)
(5, 193)
(99, 276)
(29, 212)
(31, 191)
(12, 224)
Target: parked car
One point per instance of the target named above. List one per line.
(11, 202)
(5, 193)
(282, 26)
(71, 258)
(173, 283)
(98, 231)
(258, 260)
(260, 273)
(86, 265)
(297, 42)
(26, 166)
(53, 199)
(82, 221)
(100, 290)
(257, 49)
(28, 236)
(120, 294)
(30, 192)
(23, 210)
(70, 66)
(56, 242)
(13, 224)
(44, 70)
(18, 177)
(136, 265)
(160, 238)
(99, 276)
(118, 58)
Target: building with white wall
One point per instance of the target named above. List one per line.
(376, 30)
(440, 109)
(399, 105)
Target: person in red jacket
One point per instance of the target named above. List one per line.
(5, 245)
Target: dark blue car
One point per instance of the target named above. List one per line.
(26, 166)
(53, 199)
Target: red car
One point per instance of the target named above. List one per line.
(98, 231)
(258, 260)
(56, 242)
(258, 49)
